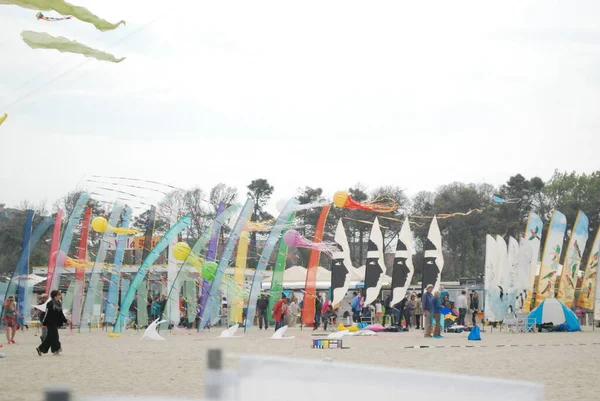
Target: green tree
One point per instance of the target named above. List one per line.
(260, 190)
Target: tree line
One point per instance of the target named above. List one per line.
(463, 236)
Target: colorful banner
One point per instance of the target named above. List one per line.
(142, 305)
(572, 260)
(533, 239)
(20, 274)
(278, 269)
(310, 294)
(199, 246)
(236, 303)
(173, 304)
(499, 294)
(54, 244)
(375, 264)
(590, 278)
(265, 256)
(115, 274)
(551, 257)
(512, 276)
(97, 272)
(173, 232)
(403, 268)
(524, 274)
(490, 278)
(211, 256)
(80, 273)
(65, 244)
(134, 243)
(214, 296)
(434, 259)
(341, 266)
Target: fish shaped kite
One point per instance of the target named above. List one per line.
(64, 8)
(293, 238)
(41, 16)
(100, 225)
(381, 204)
(39, 40)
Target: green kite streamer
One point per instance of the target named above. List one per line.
(40, 40)
(66, 9)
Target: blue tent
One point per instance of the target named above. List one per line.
(555, 312)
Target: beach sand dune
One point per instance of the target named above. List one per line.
(94, 364)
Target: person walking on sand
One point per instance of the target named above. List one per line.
(278, 312)
(437, 315)
(294, 312)
(461, 304)
(9, 318)
(474, 307)
(53, 319)
(419, 312)
(261, 306)
(427, 305)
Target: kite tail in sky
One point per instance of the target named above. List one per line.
(108, 237)
(173, 232)
(42, 40)
(64, 8)
(265, 257)
(215, 287)
(3, 118)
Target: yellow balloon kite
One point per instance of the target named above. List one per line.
(182, 251)
(100, 225)
(3, 118)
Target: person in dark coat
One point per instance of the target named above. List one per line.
(53, 319)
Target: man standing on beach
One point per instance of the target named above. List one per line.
(427, 309)
(475, 307)
(261, 306)
(355, 305)
(461, 304)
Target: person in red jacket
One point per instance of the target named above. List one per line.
(278, 312)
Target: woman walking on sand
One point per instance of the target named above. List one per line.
(9, 318)
(53, 319)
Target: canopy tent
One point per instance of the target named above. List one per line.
(554, 312)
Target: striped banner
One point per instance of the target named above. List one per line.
(551, 257)
(572, 260)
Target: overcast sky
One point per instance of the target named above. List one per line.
(318, 93)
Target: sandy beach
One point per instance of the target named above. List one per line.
(94, 364)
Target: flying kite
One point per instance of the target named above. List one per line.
(39, 40)
(100, 225)
(381, 204)
(293, 238)
(3, 118)
(64, 8)
(51, 19)
(500, 200)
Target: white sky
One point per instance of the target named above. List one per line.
(318, 93)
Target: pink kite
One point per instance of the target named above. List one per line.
(293, 238)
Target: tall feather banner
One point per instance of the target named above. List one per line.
(551, 257)
(308, 309)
